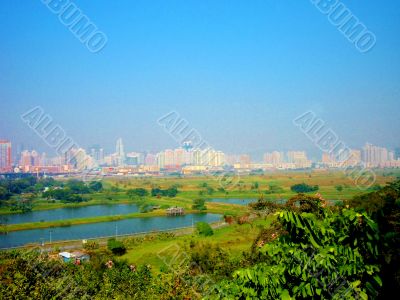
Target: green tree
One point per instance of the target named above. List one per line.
(199, 204)
(96, 186)
(304, 188)
(116, 247)
(137, 192)
(332, 257)
(204, 229)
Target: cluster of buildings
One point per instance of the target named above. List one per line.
(369, 156)
(185, 160)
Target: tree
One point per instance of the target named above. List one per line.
(334, 257)
(4, 194)
(204, 229)
(116, 247)
(137, 192)
(77, 187)
(199, 204)
(96, 186)
(339, 187)
(304, 188)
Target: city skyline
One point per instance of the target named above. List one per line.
(260, 67)
(188, 159)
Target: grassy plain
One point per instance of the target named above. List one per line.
(248, 187)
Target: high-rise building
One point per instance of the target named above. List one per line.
(150, 160)
(5, 156)
(299, 159)
(169, 158)
(97, 153)
(373, 156)
(275, 158)
(120, 153)
(161, 160)
(179, 157)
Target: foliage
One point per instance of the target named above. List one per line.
(116, 247)
(306, 203)
(23, 204)
(210, 259)
(304, 188)
(137, 192)
(384, 207)
(204, 229)
(64, 194)
(274, 189)
(339, 187)
(170, 192)
(199, 204)
(32, 275)
(264, 205)
(96, 186)
(335, 257)
(91, 245)
(4, 194)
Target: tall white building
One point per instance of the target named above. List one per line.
(373, 156)
(120, 153)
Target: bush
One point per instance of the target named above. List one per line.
(204, 229)
(138, 192)
(91, 245)
(304, 188)
(116, 247)
(199, 204)
(170, 192)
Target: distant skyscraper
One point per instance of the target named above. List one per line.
(5, 156)
(373, 156)
(120, 153)
(97, 153)
(150, 159)
(275, 158)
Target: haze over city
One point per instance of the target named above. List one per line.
(239, 74)
(199, 149)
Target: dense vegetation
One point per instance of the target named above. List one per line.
(169, 192)
(311, 250)
(304, 188)
(20, 193)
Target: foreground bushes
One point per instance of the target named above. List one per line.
(332, 257)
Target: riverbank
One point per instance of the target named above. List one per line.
(216, 208)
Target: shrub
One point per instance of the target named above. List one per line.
(204, 229)
(91, 245)
(199, 204)
(304, 188)
(116, 247)
(138, 192)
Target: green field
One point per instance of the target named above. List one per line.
(194, 187)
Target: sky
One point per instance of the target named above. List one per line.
(238, 71)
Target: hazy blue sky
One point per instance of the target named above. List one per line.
(238, 71)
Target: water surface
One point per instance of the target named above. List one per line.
(85, 231)
(70, 213)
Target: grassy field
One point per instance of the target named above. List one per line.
(234, 238)
(193, 187)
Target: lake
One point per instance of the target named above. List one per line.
(86, 231)
(70, 213)
(232, 201)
